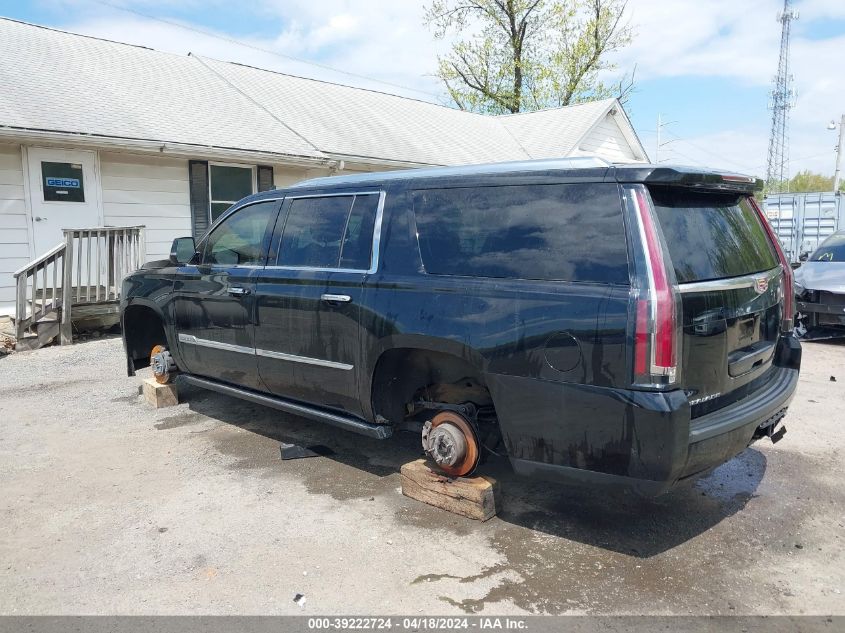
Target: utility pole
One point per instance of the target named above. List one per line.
(782, 99)
(837, 173)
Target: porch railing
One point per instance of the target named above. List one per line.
(86, 269)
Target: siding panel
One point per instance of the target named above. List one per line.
(13, 251)
(12, 206)
(11, 221)
(116, 210)
(14, 238)
(10, 158)
(126, 183)
(135, 165)
(175, 224)
(608, 141)
(11, 192)
(144, 196)
(11, 177)
(286, 176)
(147, 191)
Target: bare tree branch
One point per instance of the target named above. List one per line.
(512, 55)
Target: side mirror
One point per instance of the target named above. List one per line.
(182, 250)
(803, 257)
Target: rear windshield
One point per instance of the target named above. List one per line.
(551, 232)
(831, 250)
(712, 236)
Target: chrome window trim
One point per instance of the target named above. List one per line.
(232, 211)
(204, 238)
(190, 339)
(376, 231)
(374, 257)
(334, 194)
(266, 353)
(731, 283)
(315, 269)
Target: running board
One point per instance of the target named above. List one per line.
(349, 423)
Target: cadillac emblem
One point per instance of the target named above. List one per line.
(761, 285)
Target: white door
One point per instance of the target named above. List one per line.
(65, 194)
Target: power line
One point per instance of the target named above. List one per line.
(795, 159)
(707, 151)
(690, 158)
(268, 51)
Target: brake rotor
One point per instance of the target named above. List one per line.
(162, 364)
(450, 441)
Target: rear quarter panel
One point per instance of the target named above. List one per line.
(553, 353)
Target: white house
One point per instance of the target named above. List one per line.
(99, 133)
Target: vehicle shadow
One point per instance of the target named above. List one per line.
(369, 456)
(614, 520)
(625, 522)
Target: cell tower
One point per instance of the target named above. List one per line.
(781, 101)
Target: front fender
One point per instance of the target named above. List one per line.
(151, 291)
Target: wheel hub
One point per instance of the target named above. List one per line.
(450, 441)
(447, 444)
(162, 364)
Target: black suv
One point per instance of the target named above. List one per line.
(598, 323)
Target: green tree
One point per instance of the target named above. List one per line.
(517, 55)
(808, 181)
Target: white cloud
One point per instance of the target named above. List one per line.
(740, 41)
(379, 39)
(386, 40)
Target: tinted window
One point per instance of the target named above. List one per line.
(712, 236)
(358, 241)
(831, 250)
(554, 232)
(239, 240)
(330, 232)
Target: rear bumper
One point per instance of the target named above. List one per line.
(646, 441)
(717, 437)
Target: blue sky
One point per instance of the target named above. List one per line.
(704, 65)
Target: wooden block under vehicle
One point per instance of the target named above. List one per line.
(159, 396)
(473, 497)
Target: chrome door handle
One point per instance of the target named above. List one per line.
(336, 298)
(237, 291)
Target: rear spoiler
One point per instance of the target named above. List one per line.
(688, 177)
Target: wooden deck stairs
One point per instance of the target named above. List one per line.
(91, 263)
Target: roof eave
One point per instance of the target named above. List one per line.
(167, 148)
(379, 161)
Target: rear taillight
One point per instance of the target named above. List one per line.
(654, 297)
(788, 277)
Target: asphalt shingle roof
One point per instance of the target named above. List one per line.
(63, 82)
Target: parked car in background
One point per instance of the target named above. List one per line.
(820, 290)
(597, 323)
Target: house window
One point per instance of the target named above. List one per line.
(228, 184)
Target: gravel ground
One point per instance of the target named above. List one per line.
(108, 506)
